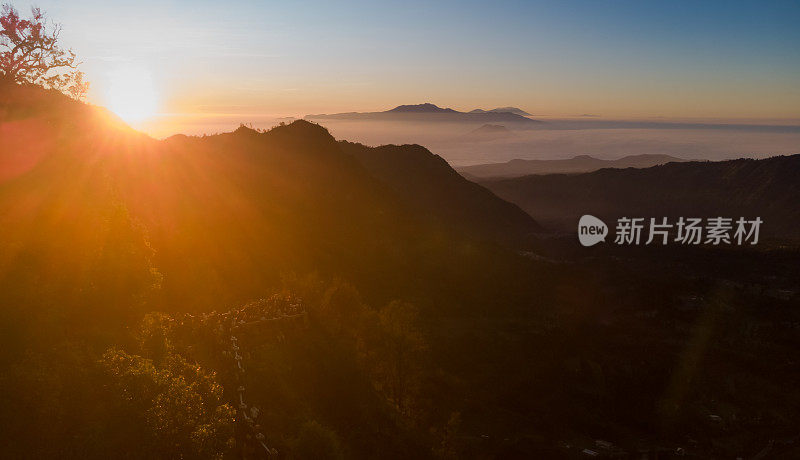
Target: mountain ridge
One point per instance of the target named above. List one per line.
(575, 165)
(515, 110)
(428, 112)
(289, 199)
(434, 187)
(426, 107)
(733, 188)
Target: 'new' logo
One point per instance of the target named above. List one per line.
(591, 230)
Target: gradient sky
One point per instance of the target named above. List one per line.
(625, 59)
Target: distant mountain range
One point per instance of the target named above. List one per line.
(420, 108)
(516, 110)
(749, 188)
(577, 164)
(432, 113)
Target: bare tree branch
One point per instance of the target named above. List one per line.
(30, 53)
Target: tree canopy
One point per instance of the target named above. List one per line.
(30, 53)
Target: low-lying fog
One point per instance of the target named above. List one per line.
(554, 139)
(564, 139)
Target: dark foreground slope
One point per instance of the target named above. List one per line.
(767, 188)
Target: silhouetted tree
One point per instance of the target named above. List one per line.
(177, 406)
(30, 53)
(154, 336)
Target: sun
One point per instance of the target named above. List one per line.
(131, 93)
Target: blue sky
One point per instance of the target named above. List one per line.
(716, 59)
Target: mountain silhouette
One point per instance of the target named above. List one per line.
(427, 183)
(429, 113)
(515, 110)
(242, 206)
(748, 188)
(577, 164)
(421, 108)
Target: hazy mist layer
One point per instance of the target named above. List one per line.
(460, 145)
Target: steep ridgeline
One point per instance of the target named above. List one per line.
(767, 188)
(222, 216)
(428, 184)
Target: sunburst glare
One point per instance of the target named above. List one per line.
(131, 93)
